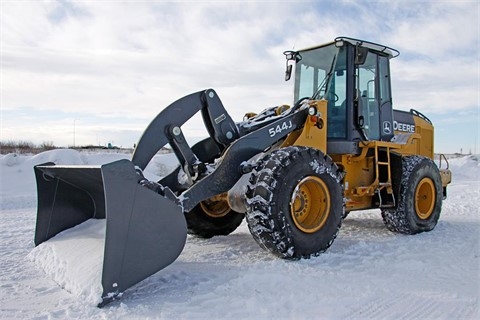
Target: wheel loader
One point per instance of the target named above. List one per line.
(293, 172)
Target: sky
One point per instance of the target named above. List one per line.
(97, 72)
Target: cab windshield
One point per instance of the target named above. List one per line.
(313, 70)
(321, 74)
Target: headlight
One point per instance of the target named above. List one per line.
(312, 111)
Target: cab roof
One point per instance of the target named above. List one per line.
(339, 41)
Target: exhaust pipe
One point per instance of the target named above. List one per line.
(145, 232)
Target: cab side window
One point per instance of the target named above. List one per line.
(367, 97)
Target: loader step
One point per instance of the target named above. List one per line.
(386, 198)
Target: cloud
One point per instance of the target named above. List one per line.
(128, 60)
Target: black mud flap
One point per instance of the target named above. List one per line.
(145, 232)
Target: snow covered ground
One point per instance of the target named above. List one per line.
(368, 273)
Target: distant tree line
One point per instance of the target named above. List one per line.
(22, 147)
(25, 146)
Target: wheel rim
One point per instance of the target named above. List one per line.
(425, 198)
(215, 207)
(310, 204)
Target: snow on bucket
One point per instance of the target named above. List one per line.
(74, 259)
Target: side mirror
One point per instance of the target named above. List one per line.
(288, 72)
(291, 56)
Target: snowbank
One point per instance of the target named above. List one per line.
(465, 168)
(17, 169)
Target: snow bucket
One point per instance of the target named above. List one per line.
(144, 232)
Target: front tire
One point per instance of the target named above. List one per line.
(212, 217)
(295, 202)
(420, 197)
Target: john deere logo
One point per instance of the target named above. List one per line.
(387, 127)
(405, 127)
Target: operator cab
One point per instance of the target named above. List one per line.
(354, 76)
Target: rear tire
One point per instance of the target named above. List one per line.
(295, 202)
(420, 197)
(212, 218)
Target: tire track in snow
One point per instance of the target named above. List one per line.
(416, 305)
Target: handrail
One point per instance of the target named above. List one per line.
(441, 155)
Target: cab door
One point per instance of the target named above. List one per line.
(373, 97)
